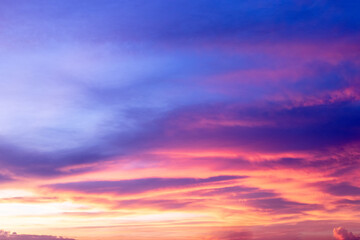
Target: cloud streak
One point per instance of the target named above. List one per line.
(134, 186)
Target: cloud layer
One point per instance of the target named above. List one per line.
(180, 119)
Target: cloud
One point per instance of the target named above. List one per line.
(281, 205)
(87, 82)
(235, 192)
(162, 204)
(349, 202)
(102, 95)
(5, 178)
(292, 128)
(135, 186)
(4, 235)
(341, 233)
(341, 189)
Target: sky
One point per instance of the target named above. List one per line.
(182, 119)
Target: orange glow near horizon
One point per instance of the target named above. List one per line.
(204, 203)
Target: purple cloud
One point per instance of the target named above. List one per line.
(236, 192)
(341, 189)
(5, 178)
(341, 233)
(281, 205)
(135, 186)
(4, 235)
(162, 204)
(349, 202)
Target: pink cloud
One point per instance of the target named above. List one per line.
(341, 233)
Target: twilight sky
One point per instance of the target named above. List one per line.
(181, 119)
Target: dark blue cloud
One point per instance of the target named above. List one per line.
(301, 128)
(26, 162)
(324, 77)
